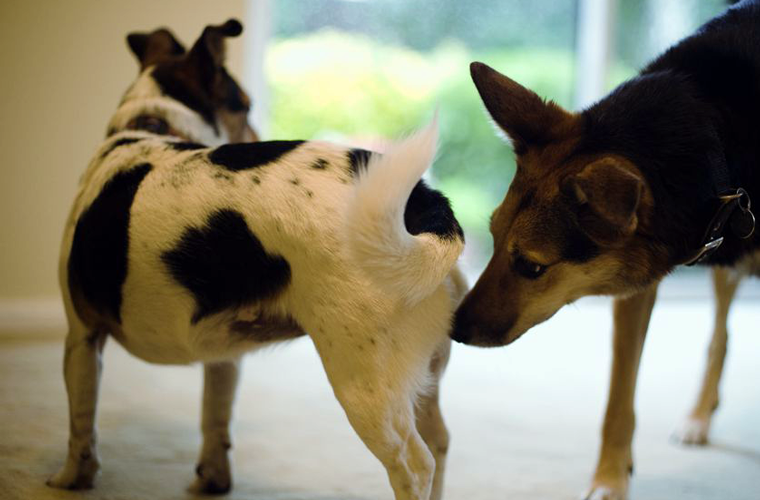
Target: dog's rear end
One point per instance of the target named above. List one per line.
(185, 253)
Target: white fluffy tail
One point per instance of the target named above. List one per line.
(406, 265)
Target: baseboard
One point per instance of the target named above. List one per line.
(38, 314)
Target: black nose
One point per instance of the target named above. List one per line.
(462, 330)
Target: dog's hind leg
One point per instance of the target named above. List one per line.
(430, 422)
(376, 395)
(219, 388)
(631, 320)
(82, 366)
(697, 425)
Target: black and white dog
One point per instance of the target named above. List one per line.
(187, 253)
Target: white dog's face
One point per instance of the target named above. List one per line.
(188, 94)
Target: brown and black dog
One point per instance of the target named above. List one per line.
(611, 199)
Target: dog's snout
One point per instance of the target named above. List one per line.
(462, 330)
(473, 329)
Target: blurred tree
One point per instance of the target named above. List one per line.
(348, 69)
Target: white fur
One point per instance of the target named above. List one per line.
(404, 265)
(376, 346)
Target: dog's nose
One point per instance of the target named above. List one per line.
(462, 330)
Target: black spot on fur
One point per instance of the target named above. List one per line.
(357, 160)
(186, 146)
(98, 261)
(320, 164)
(256, 180)
(224, 265)
(248, 155)
(295, 181)
(221, 175)
(429, 211)
(124, 141)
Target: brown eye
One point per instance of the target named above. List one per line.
(528, 269)
(152, 124)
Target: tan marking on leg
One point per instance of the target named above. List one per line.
(631, 320)
(696, 427)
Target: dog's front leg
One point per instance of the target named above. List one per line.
(219, 387)
(82, 365)
(631, 320)
(697, 425)
(430, 422)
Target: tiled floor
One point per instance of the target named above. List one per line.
(524, 419)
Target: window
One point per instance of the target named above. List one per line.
(364, 71)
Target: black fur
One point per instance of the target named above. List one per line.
(185, 146)
(224, 265)
(124, 141)
(690, 111)
(168, 77)
(97, 264)
(242, 156)
(357, 160)
(233, 100)
(429, 211)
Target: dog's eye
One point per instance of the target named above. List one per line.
(527, 268)
(152, 124)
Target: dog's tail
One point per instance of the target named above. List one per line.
(405, 254)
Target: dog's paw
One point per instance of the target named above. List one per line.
(693, 431)
(212, 478)
(608, 489)
(76, 474)
(602, 492)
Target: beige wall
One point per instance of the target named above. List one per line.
(63, 68)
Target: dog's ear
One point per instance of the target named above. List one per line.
(207, 55)
(607, 196)
(525, 117)
(151, 48)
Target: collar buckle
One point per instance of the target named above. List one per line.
(713, 237)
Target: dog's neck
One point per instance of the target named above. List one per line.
(679, 143)
(164, 116)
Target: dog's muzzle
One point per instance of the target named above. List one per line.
(473, 331)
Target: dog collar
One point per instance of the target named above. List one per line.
(735, 208)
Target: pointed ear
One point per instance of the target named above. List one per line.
(607, 195)
(527, 119)
(151, 48)
(208, 53)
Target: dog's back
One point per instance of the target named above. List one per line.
(226, 246)
(723, 59)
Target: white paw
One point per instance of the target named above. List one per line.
(76, 474)
(693, 431)
(605, 493)
(608, 488)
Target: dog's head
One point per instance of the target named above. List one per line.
(188, 94)
(573, 222)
